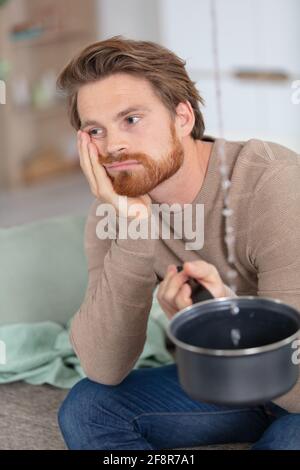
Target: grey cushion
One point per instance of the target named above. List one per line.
(28, 418)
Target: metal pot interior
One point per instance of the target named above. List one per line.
(239, 325)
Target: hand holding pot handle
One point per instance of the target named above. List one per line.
(199, 292)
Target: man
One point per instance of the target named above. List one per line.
(141, 142)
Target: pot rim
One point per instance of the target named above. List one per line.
(232, 352)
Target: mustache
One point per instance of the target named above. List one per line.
(109, 160)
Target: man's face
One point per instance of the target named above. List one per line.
(146, 134)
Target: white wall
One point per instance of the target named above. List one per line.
(135, 19)
(261, 34)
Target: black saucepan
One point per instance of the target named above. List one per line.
(235, 351)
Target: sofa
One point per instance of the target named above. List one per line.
(43, 276)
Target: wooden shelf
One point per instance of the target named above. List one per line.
(32, 112)
(36, 141)
(42, 171)
(50, 39)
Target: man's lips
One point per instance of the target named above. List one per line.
(120, 165)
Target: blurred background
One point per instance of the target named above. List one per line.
(259, 58)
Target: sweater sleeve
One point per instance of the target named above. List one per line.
(274, 234)
(108, 332)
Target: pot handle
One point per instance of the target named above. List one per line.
(199, 292)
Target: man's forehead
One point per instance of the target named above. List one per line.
(115, 87)
(113, 101)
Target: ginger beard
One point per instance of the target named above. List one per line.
(149, 174)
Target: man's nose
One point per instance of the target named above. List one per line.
(115, 146)
(116, 153)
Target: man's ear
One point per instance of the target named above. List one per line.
(185, 118)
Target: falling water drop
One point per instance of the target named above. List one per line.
(234, 309)
(224, 168)
(235, 335)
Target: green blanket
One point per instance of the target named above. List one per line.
(41, 352)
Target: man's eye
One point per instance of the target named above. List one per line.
(98, 132)
(132, 117)
(94, 132)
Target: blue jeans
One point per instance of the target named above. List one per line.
(149, 410)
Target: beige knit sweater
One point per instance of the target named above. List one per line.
(109, 330)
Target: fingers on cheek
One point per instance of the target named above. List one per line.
(93, 185)
(78, 147)
(90, 153)
(91, 171)
(80, 154)
(84, 159)
(93, 153)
